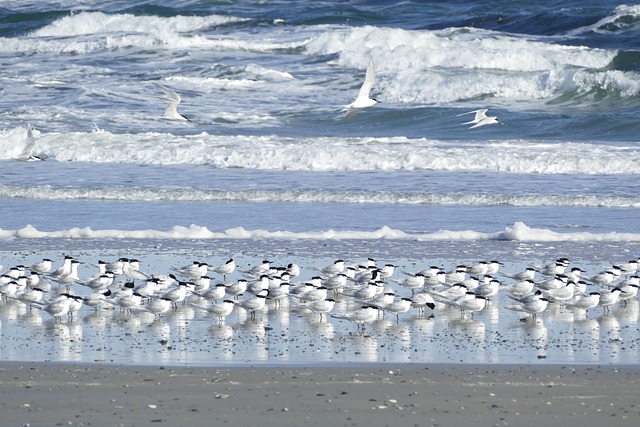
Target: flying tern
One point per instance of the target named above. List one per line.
(480, 118)
(172, 99)
(363, 100)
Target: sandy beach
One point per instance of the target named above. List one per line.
(43, 394)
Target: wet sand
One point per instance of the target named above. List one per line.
(44, 394)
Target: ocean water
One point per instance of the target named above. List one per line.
(271, 167)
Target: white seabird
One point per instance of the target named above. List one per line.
(26, 155)
(363, 100)
(172, 99)
(480, 118)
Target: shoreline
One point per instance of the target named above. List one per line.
(44, 394)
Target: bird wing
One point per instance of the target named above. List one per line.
(172, 99)
(485, 121)
(479, 115)
(27, 150)
(369, 80)
(171, 96)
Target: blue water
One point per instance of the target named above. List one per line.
(270, 156)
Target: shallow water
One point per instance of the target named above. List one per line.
(293, 334)
(270, 167)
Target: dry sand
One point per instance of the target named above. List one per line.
(43, 394)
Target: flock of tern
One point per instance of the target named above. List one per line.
(360, 293)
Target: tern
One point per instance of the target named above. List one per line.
(521, 288)
(220, 311)
(479, 269)
(480, 118)
(98, 283)
(215, 293)
(364, 314)
(158, 306)
(279, 294)
(609, 299)
(193, 271)
(75, 304)
(224, 269)
(336, 283)
(31, 296)
(116, 267)
(293, 269)
(26, 155)
(258, 270)
(321, 307)
(41, 267)
(563, 293)
(412, 282)
(127, 302)
(178, 294)
(333, 269)
(96, 299)
(131, 269)
(202, 284)
(253, 304)
(584, 303)
(237, 289)
(314, 294)
(532, 306)
(57, 308)
(363, 100)
(397, 307)
(172, 99)
(422, 300)
(528, 274)
(629, 288)
(63, 270)
(488, 289)
(557, 267)
(630, 267)
(468, 303)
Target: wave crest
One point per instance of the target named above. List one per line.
(274, 152)
(519, 232)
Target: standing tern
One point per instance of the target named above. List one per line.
(609, 299)
(57, 308)
(41, 267)
(321, 307)
(397, 307)
(220, 311)
(360, 316)
(528, 274)
(224, 269)
(253, 304)
(585, 302)
(422, 300)
(531, 306)
(333, 269)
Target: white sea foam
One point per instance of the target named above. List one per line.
(623, 17)
(414, 66)
(519, 232)
(86, 23)
(310, 196)
(88, 32)
(274, 152)
(423, 66)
